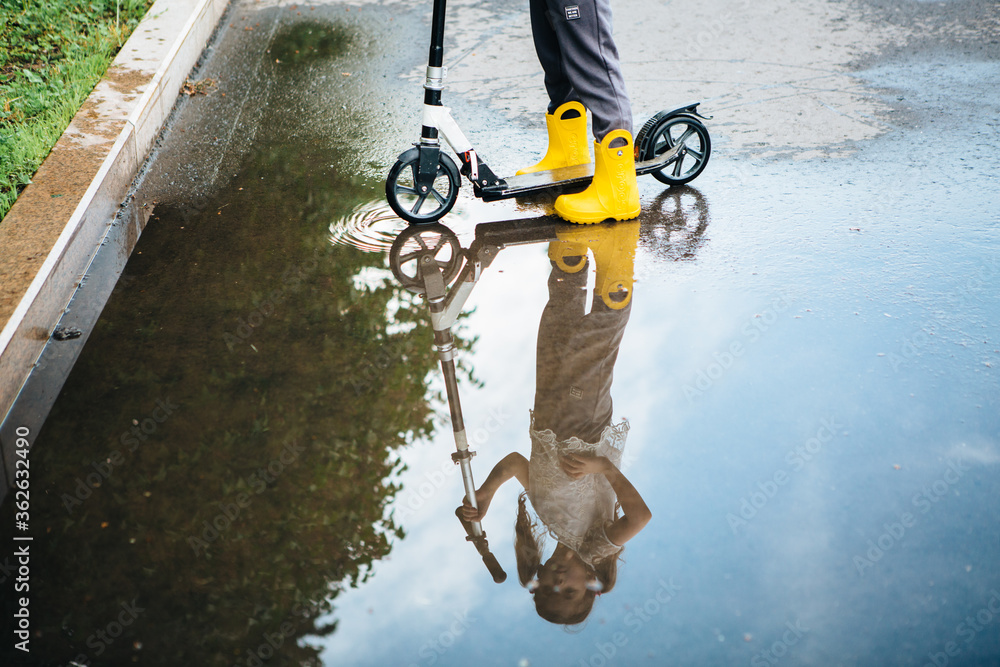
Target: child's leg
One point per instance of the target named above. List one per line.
(547, 48)
(589, 66)
(576, 359)
(561, 316)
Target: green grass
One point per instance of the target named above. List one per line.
(52, 54)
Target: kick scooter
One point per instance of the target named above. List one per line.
(422, 186)
(426, 260)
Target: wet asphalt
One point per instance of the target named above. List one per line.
(809, 368)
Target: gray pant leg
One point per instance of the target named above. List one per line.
(575, 360)
(580, 60)
(557, 85)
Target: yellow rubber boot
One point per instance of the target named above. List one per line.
(567, 140)
(614, 247)
(613, 193)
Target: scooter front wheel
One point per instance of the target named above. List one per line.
(409, 201)
(660, 134)
(420, 249)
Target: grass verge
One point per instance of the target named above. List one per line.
(52, 54)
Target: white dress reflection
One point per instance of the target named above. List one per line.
(573, 479)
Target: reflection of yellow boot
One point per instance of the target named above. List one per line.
(569, 257)
(614, 256)
(567, 139)
(613, 193)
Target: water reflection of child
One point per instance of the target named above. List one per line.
(573, 478)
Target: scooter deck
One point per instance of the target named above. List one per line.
(578, 175)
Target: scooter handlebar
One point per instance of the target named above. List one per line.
(499, 576)
(479, 541)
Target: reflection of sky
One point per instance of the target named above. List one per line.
(837, 351)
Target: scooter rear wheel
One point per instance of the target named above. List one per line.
(661, 133)
(414, 206)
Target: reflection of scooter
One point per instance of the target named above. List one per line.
(427, 259)
(423, 185)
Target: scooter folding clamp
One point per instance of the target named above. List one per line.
(435, 77)
(445, 353)
(458, 457)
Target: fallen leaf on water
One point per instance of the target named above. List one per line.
(201, 87)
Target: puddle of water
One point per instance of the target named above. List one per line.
(221, 459)
(250, 461)
(371, 227)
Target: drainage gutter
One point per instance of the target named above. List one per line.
(52, 233)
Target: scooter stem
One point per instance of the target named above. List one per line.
(435, 71)
(436, 56)
(444, 343)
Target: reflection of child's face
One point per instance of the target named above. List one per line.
(562, 580)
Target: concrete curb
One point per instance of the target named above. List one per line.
(90, 171)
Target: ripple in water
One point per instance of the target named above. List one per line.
(370, 227)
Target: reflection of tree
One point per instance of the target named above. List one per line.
(337, 368)
(306, 41)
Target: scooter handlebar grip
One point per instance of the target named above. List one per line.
(499, 576)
